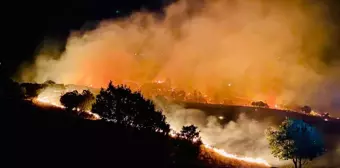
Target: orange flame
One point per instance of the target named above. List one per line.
(223, 153)
(47, 101)
(232, 156)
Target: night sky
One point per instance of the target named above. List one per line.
(25, 24)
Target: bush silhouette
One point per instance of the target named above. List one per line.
(121, 105)
(188, 143)
(260, 104)
(86, 100)
(306, 109)
(190, 133)
(74, 100)
(70, 100)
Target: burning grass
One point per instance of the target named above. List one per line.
(216, 158)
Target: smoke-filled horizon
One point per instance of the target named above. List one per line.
(244, 136)
(263, 48)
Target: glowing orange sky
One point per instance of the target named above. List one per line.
(264, 48)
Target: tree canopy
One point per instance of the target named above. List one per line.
(306, 109)
(260, 104)
(295, 140)
(188, 142)
(119, 104)
(75, 100)
(86, 100)
(190, 133)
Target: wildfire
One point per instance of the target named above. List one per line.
(232, 156)
(313, 113)
(51, 97)
(47, 100)
(223, 153)
(159, 81)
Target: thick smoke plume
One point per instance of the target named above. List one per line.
(244, 137)
(264, 48)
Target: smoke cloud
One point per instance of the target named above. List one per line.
(244, 137)
(330, 159)
(264, 48)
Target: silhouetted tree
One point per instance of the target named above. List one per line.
(86, 100)
(260, 104)
(75, 100)
(295, 140)
(71, 100)
(121, 105)
(188, 145)
(190, 133)
(306, 109)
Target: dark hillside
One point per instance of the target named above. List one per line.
(48, 137)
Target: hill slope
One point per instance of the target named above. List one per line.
(51, 137)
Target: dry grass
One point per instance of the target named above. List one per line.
(216, 160)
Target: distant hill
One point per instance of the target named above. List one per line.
(231, 112)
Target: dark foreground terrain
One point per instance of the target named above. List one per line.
(51, 137)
